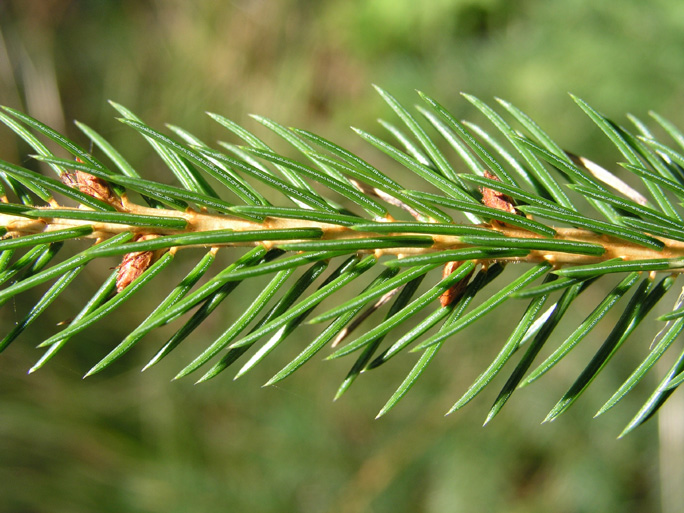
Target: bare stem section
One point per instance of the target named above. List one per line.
(199, 221)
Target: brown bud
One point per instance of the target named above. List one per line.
(91, 185)
(496, 199)
(133, 265)
(69, 179)
(96, 187)
(456, 290)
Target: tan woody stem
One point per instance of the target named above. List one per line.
(198, 222)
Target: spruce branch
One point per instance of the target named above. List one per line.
(316, 224)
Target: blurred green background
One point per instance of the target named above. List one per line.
(131, 442)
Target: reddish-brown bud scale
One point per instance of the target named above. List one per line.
(96, 187)
(492, 199)
(455, 291)
(133, 265)
(91, 185)
(496, 199)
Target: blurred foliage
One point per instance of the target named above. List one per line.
(129, 442)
